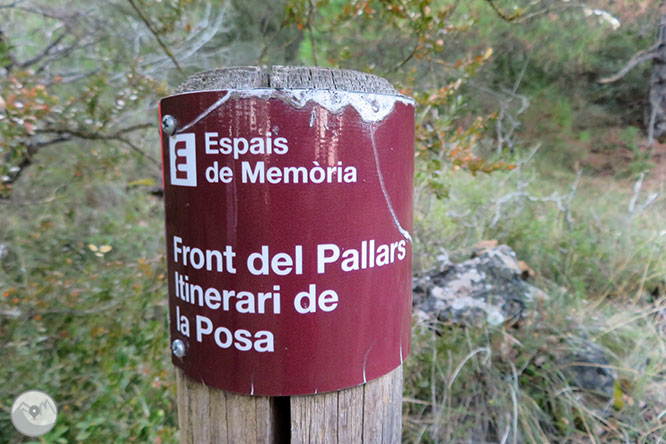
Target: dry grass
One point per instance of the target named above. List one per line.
(604, 271)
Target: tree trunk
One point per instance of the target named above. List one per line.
(657, 122)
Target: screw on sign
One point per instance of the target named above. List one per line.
(288, 217)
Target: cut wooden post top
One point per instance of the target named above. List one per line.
(287, 77)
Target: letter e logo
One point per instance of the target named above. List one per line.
(183, 160)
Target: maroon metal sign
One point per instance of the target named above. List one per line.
(288, 220)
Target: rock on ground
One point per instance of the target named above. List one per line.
(485, 289)
(490, 289)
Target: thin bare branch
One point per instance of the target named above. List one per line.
(65, 135)
(45, 52)
(27, 203)
(408, 58)
(118, 135)
(196, 41)
(651, 123)
(62, 53)
(632, 210)
(95, 136)
(552, 7)
(10, 5)
(310, 26)
(70, 77)
(563, 203)
(12, 60)
(503, 15)
(449, 12)
(136, 149)
(53, 14)
(569, 199)
(273, 38)
(638, 58)
(155, 34)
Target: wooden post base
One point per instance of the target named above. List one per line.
(370, 413)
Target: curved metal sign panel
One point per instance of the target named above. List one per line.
(288, 220)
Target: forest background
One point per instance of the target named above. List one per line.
(517, 141)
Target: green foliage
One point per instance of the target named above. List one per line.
(384, 37)
(598, 268)
(82, 286)
(26, 103)
(642, 159)
(626, 98)
(75, 88)
(5, 53)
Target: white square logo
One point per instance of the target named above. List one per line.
(183, 160)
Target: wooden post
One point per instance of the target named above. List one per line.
(369, 413)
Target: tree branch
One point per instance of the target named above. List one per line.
(503, 15)
(273, 38)
(654, 105)
(10, 5)
(64, 52)
(551, 7)
(118, 135)
(639, 57)
(154, 32)
(65, 135)
(135, 149)
(53, 14)
(408, 58)
(44, 53)
(12, 61)
(310, 21)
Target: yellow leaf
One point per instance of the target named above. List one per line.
(105, 248)
(618, 402)
(488, 53)
(146, 182)
(92, 247)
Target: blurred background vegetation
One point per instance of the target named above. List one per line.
(517, 141)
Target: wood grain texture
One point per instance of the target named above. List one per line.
(286, 77)
(350, 414)
(207, 415)
(369, 413)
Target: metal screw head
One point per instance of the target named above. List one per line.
(169, 124)
(178, 348)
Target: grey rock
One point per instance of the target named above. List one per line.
(589, 369)
(489, 289)
(485, 289)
